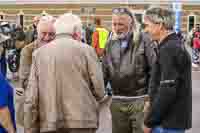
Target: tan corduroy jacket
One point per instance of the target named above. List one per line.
(65, 87)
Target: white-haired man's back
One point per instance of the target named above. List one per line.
(68, 23)
(70, 83)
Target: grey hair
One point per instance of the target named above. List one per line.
(136, 26)
(131, 16)
(161, 15)
(68, 23)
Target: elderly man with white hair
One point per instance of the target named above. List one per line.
(46, 33)
(66, 83)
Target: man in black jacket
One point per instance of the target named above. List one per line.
(170, 87)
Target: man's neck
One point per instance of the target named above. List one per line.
(163, 35)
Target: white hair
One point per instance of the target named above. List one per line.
(44, 20)
(68, 23)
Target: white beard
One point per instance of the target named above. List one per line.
(122, 35)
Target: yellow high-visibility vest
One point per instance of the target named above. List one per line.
(103, 36)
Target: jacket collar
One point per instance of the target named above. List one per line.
(63, 35)
(171, 36)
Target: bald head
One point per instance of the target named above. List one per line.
(46, 30)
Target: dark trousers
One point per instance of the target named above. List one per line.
(127, 117)
(74, 130)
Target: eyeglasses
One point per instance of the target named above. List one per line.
(122, 11)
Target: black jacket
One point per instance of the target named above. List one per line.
(128, 70)
(170, 86)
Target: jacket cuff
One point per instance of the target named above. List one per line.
(104, 99)
(148, 124)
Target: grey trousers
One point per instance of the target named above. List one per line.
(74, 130)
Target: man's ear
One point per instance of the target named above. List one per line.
(76, 36)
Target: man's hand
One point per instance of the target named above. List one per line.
(12, 130)
(146, 107)
(146, 129)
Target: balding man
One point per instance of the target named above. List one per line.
(65, 85)
(31, 33)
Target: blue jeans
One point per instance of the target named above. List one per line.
(167, 130)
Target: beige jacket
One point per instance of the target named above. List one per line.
(65, 85)
(25, 62)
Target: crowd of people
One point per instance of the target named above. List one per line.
(139, 77)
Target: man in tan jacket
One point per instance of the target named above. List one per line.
(46, 33)
(66, 83)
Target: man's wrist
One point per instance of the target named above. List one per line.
(11, 130)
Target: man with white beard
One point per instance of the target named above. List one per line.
(127, 63)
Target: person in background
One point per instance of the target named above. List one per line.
(194, 39)
(83, 34)
(31, 34)
(3, 62)
(99, 37)
(196, 51)
(88, 33)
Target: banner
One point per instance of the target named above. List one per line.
(177, 7)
